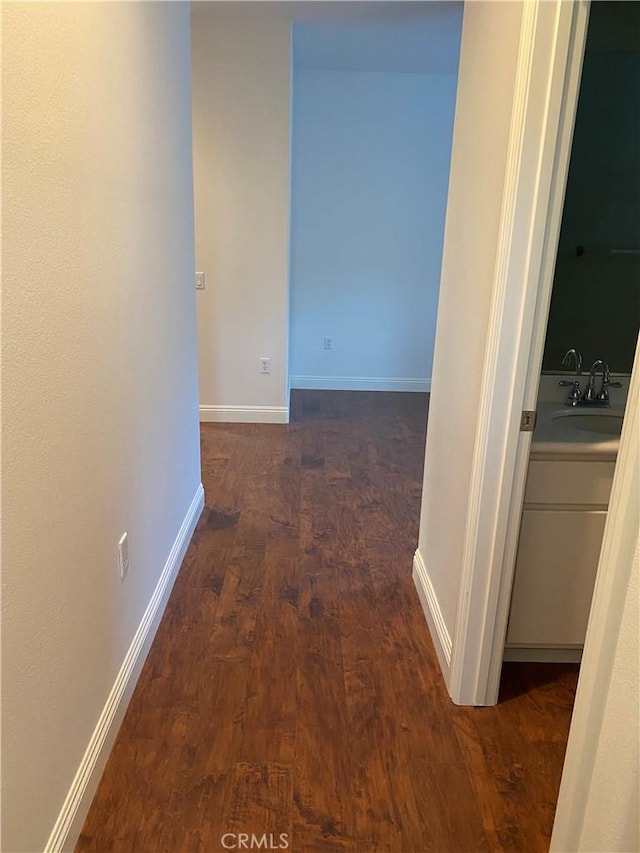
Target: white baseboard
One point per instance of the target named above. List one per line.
(359, 383)
(433, 614)
(244, 414)
(74, 810)
(542, 654)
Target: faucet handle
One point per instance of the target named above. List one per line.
(575, 395)
(603, 394)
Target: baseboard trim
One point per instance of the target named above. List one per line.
(74, 810)
(244, 414)
(359, 383)
(433, 614)
(542, 654)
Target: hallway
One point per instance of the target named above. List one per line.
(292, 686)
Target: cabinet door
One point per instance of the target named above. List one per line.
(555, 573)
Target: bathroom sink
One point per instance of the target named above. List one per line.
(602, 421)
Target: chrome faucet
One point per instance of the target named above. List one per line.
(590, 397)
(575, 395)
(601, 397)
(573, 353)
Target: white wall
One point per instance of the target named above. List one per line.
(612, 819)
(370, 167)
(488, 57)
(100, 430)
(599, 792)
(407, 38)
(241, 118)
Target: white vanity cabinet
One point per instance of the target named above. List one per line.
(565, 509)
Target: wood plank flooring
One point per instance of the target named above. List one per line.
(292, 687)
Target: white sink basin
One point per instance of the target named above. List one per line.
(601, 421)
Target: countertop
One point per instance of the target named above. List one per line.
(557, 439)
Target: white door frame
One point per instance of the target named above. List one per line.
(549, 69)
(589, 734)
(550, 57)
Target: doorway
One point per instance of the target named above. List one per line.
(373, 99)
(584, 384)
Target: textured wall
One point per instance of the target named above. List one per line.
(241, 105)
(100, 429)
(611, 819)
(370, 169)
(480, 136)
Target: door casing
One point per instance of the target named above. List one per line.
(551, 50)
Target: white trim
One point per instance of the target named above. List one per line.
(244, 414)
(562, 104)
(287, 360)
(620, 542)
(542, 654)
(433, 614)
(76, 805)
(499, 469)
(360, 383)
(556, 205)
(547, 507)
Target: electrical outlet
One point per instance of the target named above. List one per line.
(123, 555)
(199, 281)
(328, 342)
(265, 365)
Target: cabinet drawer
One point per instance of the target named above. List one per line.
(577, 483)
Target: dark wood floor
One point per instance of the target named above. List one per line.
(292, 686)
